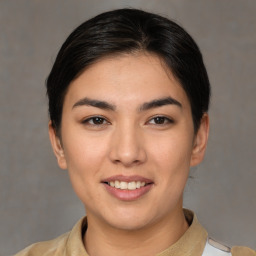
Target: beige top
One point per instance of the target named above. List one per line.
(71, 244)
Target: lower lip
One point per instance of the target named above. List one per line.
(128, 195)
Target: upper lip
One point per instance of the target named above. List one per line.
(128, 178)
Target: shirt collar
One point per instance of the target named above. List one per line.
(191, 243)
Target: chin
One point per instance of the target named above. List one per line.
(130, 220)
(131, 224)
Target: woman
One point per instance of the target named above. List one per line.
(128, 101)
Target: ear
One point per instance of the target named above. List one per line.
(200, 141)
(57, 147)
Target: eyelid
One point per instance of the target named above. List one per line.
(89, 118)
(168, 119)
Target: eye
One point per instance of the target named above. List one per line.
(160, 120)
(95, 121)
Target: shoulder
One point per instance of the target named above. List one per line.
(242, 251)
(214, 248)
(46, 248)
(70, 243)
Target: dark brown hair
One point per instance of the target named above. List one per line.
(127, 31)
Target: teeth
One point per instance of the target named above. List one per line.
(132, 185)
(116, 184)
(127, 185)
(123, 185)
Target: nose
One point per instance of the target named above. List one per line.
(127, 147)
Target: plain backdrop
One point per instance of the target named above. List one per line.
(36, 198)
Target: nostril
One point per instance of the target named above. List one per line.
(127, 150)
(127, 162)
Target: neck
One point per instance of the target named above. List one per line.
(106, 240)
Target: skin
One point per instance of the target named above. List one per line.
(157, 143)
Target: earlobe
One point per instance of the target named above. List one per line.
(200, 141)
(57, 147)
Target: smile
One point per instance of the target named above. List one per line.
(127, 188)
(127, 185)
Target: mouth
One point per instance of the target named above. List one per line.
(127, 185)
(127, 188)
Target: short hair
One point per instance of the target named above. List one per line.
(128, 31)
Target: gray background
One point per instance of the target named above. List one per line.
(36, 199)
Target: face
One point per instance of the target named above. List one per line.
(127, 140)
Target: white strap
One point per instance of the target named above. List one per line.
(213, 248)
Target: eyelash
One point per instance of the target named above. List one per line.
(165, 120)
(102, 121)
(96, 121)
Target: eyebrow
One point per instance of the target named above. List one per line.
(94, 103)
(159, 103)
(145, 106)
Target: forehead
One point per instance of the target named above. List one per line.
(130, 78)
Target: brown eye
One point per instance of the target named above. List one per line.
(160, 120)
(95, 120)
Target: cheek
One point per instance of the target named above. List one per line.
(172, 156)
(84, 151)
(84, 156)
